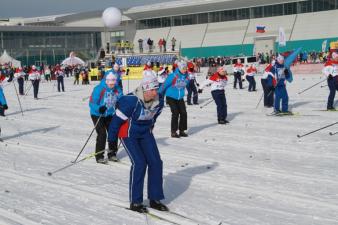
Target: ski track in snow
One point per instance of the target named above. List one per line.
(253, 171)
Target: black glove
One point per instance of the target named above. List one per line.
(5, 107)
(330, 77)
(197, 84)
(102, 109)
(200, 91)
(286, 72)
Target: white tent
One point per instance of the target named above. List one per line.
(7, 59)
(72, 60)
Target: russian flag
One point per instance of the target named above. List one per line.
(260, 29)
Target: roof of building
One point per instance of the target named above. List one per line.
(193, 6)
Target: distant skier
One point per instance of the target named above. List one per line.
(268, 84)
(102, 107)
(331, 71)
(281, 74)
(238, 72)
(60, 74)
(20, 76)
(3, 102)
(34, 77)
(218, 81)
(133, 122)
(250, 77)
(192, 86)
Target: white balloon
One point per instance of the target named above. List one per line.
(111, 17)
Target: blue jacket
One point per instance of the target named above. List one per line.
(278, 70)
(2, 97)
(132, 118)
(174, 86)
(104, 96)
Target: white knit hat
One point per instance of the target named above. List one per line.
(111, 78)
(149, 81)
(280, 57)
(182, 65)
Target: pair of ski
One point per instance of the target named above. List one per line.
(164, 216)
(281, 114)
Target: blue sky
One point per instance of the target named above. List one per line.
(33, 8)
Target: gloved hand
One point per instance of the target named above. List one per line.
(200, 91)
(5, 107)
(286, 72)
(330, 77)
(197, 84)
(102, 109)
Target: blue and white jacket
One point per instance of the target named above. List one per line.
(174, 86)
(278, 71)
(2, 97)
(134, 118)
(102, 95)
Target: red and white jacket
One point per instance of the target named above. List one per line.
(251, 71)
(216, 81)
(19, 73)
(331, 67)
(238, 67)
(34, 75)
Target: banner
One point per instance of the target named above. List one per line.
(324, 44)
(281, 37)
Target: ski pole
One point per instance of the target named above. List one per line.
(260, 100)
(311, 86)
(300, 136)
(207, 103)
(97, 122)
(91, 155)
(84, 99)
(29, 88)
(331, 133)
(17, 95)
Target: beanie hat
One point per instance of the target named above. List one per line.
(111, 78)
(280, 57)
(149, 81)
(182, 65)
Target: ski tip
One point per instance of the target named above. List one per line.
(49, 173)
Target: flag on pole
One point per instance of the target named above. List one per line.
(281, 37)
(260, 29)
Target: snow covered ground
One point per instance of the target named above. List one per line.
(253, 171)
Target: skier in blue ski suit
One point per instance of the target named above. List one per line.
(102, 107)
(174, 88)
(281, 75)
(3, 103)
(133, 123)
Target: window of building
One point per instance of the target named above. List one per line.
(305, 6)
(177, 20)
(189, 19)
(290, 8)
(166, 21)
(214, 17)
(229, 15)
(243, 14)
(203, 18)
(322, 5)
(273, 10)
(257, 12)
